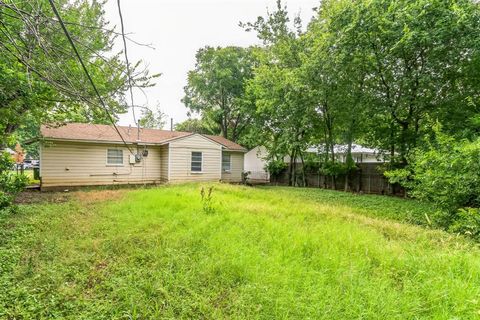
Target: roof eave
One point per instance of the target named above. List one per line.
(99, 141)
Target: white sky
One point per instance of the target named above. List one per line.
(177, 29)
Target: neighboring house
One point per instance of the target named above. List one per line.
(360, 154)
(87, 154)
(255, 164)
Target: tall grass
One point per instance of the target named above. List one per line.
(261, 253)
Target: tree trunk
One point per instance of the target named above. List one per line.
(304, 181)
(291, 173)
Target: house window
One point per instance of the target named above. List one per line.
(114, 157)
(196, 165)
(226, 162)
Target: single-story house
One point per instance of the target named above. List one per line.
(255, 163)
(79, 154)
(360, 154)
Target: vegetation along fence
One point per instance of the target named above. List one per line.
(368, 178)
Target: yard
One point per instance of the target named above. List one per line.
(263, 253)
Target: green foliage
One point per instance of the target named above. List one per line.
(202, 126)
(447, 174)
(312, 163)
(40, 78)
(266, 253)
(467, 222)
(216, 88)
(334, 168)
(285, 119)
(152, 119)
(419, 58)
(368, 71)
(11, 183)
(401, 176)
(276, 166)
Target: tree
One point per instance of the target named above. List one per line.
(197, 126)
(40, 77)
(285, 118)
(216, 88)
(419, 57)
(334, 74)
(152, 119)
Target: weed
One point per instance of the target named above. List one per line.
(207, 200)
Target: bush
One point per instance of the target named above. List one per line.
(448, 175)
(467, 222)
(10, 182)
(275, 167)
(331, 168)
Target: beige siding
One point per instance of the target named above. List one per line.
(164, 163)
(236, 164)
(180, 159)
(78, 164)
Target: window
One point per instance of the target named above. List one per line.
(226, 162)
(196, 162)
(114, 157)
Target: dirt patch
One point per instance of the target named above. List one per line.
(91, 196)
(31, 197)
(98, 196)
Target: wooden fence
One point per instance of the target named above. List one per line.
(367, 179)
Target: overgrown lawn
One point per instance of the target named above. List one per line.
(264, 253)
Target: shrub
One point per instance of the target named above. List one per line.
(467, 222)
(312, 163)
(331, 168)
(447, 174)
(10, 182)
(275, 167)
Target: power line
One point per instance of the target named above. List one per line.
(126, 60)
(67, 34)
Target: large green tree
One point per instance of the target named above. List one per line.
(216, 88)
(285, 118)
(40, 77)
(420, 58)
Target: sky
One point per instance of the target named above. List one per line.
(177, 29)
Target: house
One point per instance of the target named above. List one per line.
(255, 163)
(360, 154)
(78, 154)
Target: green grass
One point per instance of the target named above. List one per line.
(265, 253)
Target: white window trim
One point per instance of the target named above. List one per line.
(201, 167)
(114, 164)
(229, 162)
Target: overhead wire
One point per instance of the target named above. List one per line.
(102, 102)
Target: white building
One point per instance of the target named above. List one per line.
(360, 154)
(255, 163)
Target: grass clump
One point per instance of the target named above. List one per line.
(266, 253)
